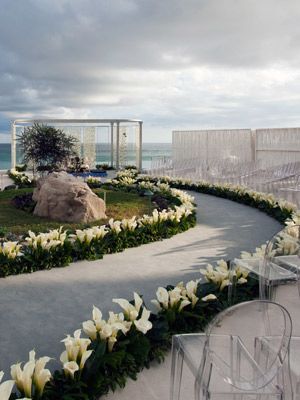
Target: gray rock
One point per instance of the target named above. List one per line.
(62, 197)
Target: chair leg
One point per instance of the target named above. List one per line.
(201, 387)
(290, 392)
(232, 292)
(176, 371)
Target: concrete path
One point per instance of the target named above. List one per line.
(37, 310)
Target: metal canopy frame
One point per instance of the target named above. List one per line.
(114, 123)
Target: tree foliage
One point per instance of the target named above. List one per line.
(46, 146)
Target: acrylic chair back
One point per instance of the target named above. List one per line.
(282, 253)
(231, 346)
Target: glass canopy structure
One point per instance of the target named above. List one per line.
(117, 142)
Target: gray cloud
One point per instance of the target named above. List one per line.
(173, 63)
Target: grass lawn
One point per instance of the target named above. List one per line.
(119, 205)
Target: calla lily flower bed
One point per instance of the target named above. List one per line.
(103, 353)
(58, 247)
(279, 209)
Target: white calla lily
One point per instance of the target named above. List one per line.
(209, 297)
(174, 296)
(157, 304)
(143, 324)
(64, 357)
(97, 314)
(90, 329)
(106, 331)
(84, 358)
(225, 283)
(115, 226)
(23, 377)
(5, 387)
(40, 380)
(183, 304)
(70, 368)
(131, 311)
(163, 296)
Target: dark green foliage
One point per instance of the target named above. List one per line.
(24, 202)
(138, 346)
(11, 266)
(89, 251)
(132, 167)
(76, 164)
(246, 292)
(104, 167)
(160, 201)
(3, 231)
(159, 337)
(95, 185)
(106, 370)
(62, 388)
(40, 259)
(21, 168)
(46, 168)
(10, 187)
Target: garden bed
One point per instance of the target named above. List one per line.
(58, 247)
(18, 222)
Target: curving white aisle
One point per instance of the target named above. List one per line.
(37, 310)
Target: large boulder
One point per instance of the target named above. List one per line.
(62, 197)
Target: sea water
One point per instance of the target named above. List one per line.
(150, 152)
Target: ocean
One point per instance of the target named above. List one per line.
(150, 151)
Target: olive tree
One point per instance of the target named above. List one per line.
(46, 147)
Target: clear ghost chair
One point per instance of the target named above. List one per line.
(294, 184)
(268, 278)
(277, 272)
(283, 251)
(224, 362)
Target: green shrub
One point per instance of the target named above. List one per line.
(21, 167)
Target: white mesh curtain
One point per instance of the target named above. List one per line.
(136, 145)
(232, 144)
(277, 146)
(206, 145)
(131, 145)
(123, 146)
(19, 154)
(89, 145)
(189, 145)
(127, 145)
(74, 131)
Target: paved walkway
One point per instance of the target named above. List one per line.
(37, 310)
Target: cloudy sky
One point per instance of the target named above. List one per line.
(175, 64)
